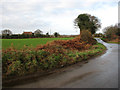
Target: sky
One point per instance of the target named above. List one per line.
(54, 15)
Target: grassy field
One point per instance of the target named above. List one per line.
(19, 43)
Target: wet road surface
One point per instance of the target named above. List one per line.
(100, 72)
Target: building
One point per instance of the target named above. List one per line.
(27, 33)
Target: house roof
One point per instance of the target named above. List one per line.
(27, 32)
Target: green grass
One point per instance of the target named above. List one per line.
(104, 39)
(113, 42)
(19, 43)
(86, 54)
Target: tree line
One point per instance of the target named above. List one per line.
(7, 34)
(112, 32)
(83, 22)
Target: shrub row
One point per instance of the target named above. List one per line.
(28, 61)
(20, 36)
(52, 55)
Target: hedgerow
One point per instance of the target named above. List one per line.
(46, 57)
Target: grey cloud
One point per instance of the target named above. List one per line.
(43, 14)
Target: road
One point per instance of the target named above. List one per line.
(99, 72)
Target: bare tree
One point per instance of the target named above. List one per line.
(6, 32)
(112, 30)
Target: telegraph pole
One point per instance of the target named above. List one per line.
(50, 32)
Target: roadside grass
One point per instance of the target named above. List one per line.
(16, 63)
(32, 42)
(93, 51)
(111, 41)
(104, 39)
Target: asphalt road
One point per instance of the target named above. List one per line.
(99, 72)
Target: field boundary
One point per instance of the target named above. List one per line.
(27, 79)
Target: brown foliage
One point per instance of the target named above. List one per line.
(51, 55)
(82, 42)
(59, 45)
(87, 37)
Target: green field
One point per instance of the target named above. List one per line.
(19, 43)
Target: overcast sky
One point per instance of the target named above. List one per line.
(54, 15)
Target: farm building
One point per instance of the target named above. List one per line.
(27, 33)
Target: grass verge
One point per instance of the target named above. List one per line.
(111, 41)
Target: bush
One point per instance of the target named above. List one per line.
(56, 34)
(99, 35)
(112, 32)
(87, 37)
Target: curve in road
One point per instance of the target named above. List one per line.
(100, 72)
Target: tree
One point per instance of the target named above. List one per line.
(87, 22)
(6, 32)
(111, 31)
(47, 34)
(38, 31)
(56, 34)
